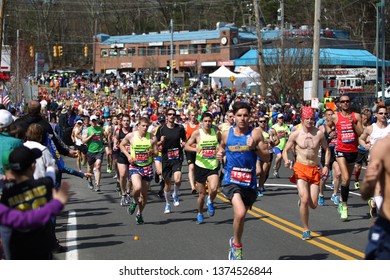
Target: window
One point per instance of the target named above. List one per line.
(151, 51)
(215, 48)
(142, 51)
(183, 49)
(162, 50)
(193, 49)
(206, 49)
(131, 51)
(122, 52)
(104, 53)
(174, 50)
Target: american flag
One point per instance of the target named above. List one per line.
(4, 98)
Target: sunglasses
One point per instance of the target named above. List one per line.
(382, 113)
(171, 114)
(261, 121)
(345, 101)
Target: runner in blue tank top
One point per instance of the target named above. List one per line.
(241, 145)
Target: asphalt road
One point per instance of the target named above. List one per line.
(94, 226)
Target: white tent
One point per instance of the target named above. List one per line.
(246, 78)
(222, 75)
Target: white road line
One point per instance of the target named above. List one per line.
(293, 186)
(71, 237)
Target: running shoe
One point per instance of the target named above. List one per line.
(168, 208)
(210, 207)
(306, 235)
(357, 185)
(321, 200)
(371, 204)
(332, 186)
(132, 207)
(262, 189)
(176, 201)
(335, 198)
(97, 188)
(117, 187)
(339, 207)
(139, 219)
(344, 212)
(234, 252)
(160, 194)
(199, 219)
(259, 193)
(276, 173)
(123, 200)
(115, 176)
(90, 184)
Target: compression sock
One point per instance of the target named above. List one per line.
(175, 189)
(357, 175)
(166, 195)
(344, 193)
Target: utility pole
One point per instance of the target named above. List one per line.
(17, 63)
(316, 48)
(171, 62)
(2, 4)
(261, 64)
(383, 4)
(94, 47)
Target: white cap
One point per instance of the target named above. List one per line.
(280, 116)
(5, 118)
(93, 117)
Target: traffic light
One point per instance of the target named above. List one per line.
(85, 51)
(168, 65)
(173, 63)
(60, 53)
(31, 51)
(55, 54)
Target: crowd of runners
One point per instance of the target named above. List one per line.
(144, 130)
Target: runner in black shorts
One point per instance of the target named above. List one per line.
(172, 137)
(123, 163)
(204, 143)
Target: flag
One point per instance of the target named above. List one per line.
(4, 98)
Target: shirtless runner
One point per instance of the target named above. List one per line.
(307, 142)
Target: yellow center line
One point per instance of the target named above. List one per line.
(266, 217)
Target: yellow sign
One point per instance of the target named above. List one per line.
(232, 78)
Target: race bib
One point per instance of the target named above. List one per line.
(241, 176)
(209, 152)
(173, 153)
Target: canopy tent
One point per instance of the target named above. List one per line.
(221, 77)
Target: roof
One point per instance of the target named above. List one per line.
(328, 56)
(161, 37)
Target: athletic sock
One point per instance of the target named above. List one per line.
(166, 195)
(175, 189)
(344, 193)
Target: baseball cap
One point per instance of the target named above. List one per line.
(5, 118)
(22, 157)
(280, 116)
(94, 118)
(79, 121)
(161, 119)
